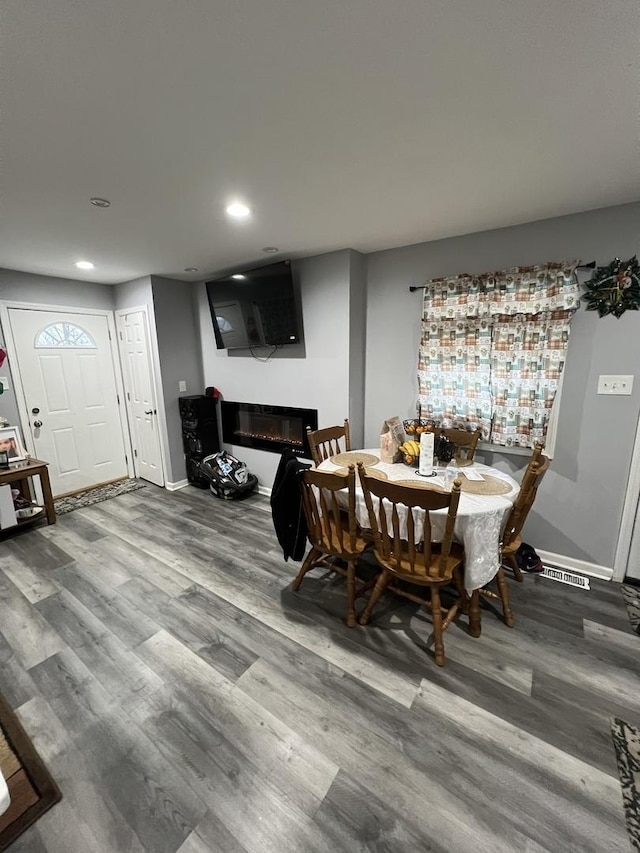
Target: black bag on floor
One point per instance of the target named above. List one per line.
(528, 559)
(228, 477)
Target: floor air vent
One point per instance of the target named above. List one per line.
(570, 578)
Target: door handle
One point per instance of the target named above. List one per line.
(37, 424)
(148, 411)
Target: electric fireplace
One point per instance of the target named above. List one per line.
(271, 428)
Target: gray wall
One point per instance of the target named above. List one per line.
(357, 345)
(18, 286)
(580, 503)
(180, 354)
(319, 381)
(134, 294)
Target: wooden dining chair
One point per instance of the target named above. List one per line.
(332, 530)
(465, 442)
(325, 443)
(511, 539)
(414, 560)
(511, 536)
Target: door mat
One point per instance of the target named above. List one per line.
(94, 496)
(631, 595)
(31, 787)
(626, 740)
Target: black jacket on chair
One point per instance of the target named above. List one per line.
(286, 506)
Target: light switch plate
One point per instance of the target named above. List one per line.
(182, 385)
(5, 382)
(615, 384)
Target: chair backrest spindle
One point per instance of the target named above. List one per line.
(398, 553)
(325, 443)
(466, 442)
(329, 528)
(535, 471)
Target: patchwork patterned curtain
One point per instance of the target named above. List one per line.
(454, 373)
(493, 348)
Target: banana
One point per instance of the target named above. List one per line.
(410, 451)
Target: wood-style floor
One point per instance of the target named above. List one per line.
(186, 700)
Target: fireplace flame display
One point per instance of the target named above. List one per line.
(271, 428)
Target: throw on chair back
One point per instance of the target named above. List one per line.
(325, 443)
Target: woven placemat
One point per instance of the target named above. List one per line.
(488, 486)
(371, 472)
(422, 484)
(352, 457)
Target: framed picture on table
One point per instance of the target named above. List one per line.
(11, 445)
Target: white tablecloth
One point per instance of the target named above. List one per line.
(5, 799)
(478, 524)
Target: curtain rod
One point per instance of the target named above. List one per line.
(590, 266)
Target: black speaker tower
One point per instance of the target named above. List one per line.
(199, 415)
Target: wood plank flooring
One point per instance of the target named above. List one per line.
(186, 701)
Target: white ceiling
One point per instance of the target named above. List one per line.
(343, 123)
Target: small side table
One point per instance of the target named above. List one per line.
(20, 472)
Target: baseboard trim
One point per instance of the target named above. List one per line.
(264, 490)
(572, 564)
(173, 487)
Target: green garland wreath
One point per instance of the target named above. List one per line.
(615, 288)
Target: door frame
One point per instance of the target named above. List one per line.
(16, 374)
(630, 508)
(157, 387)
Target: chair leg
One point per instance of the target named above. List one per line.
(351, 594)
(515, 568)
(379, 588)
(310, 561)
(462, 593)
(436, 617)
(474, 614)
(503, 589)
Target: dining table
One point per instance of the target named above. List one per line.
(482, 511)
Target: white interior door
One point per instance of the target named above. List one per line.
(68, 380)
(133, 332)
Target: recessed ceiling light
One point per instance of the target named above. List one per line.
(238, 210)
(84, 265)
(100, 202)
(270, 249)
(238, 276)
(191, 269)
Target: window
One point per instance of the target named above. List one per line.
(64, 335)
(493, 349)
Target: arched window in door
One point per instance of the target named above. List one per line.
(66, 335)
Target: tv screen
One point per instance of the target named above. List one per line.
(254, 308)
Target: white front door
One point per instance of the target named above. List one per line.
(68, 380)
(133, 333)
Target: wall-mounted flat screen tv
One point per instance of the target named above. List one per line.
(255, 308)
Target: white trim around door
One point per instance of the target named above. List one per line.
(14, 365)
(629, 511)
(156, 388)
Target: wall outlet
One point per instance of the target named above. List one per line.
(617, 384)
(182, 385)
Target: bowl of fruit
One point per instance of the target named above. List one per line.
(416, 426)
